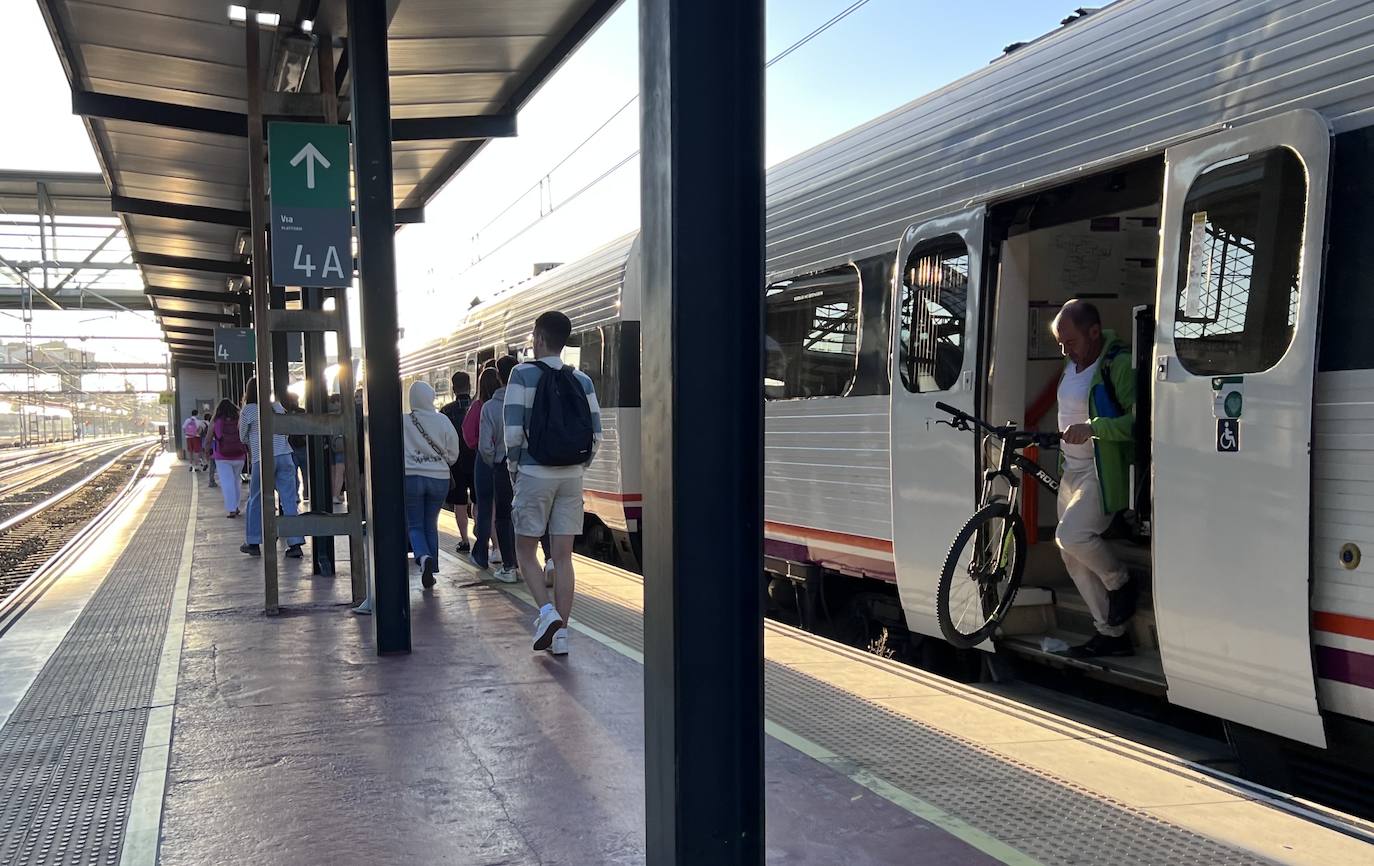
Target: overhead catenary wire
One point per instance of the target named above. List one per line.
(831, 22)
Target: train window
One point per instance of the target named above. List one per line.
(1239, 254)
(935, 285)
(591, 359)
(812, 335)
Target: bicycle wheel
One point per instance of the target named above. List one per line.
(981, 575)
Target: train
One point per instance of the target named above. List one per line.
(23, 425)
(1203, 171)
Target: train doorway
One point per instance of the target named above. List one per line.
(1096, 239)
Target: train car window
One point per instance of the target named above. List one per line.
(930, 347)
(1239, 255)
(811, 335)
(591, 357)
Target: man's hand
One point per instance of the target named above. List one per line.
(1077, 434)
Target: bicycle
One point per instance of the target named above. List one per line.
(993, 564)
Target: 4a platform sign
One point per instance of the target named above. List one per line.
(312, 216)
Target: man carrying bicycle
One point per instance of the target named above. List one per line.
(1096, 416)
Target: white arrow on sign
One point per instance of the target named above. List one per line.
(311, 156)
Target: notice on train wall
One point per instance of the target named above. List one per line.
(1199, 267)
(1228, 396)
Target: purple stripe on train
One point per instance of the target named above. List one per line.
(1345, 666)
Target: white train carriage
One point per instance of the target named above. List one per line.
(605, 319)
(1203, 170)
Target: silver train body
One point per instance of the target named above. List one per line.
(1065, 168)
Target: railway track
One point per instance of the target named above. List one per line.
(40, 516)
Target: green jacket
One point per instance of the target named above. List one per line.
(1113, 422)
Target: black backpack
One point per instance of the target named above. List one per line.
(560, 426)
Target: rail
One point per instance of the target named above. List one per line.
(22, 596)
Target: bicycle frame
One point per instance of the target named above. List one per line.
(1009, 456)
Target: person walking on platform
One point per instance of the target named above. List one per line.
(227, 451)
(461, 494)
(552, 429)
(431, 448)
(300, 446)
(192, 429)
(284, 480)
(493, 479)
(1096, 417)
(208, 452)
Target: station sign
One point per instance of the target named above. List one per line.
(240, 346)
(312, 214)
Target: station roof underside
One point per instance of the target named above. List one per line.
(162, 88)
(62, 244)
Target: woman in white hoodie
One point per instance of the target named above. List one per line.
(431, 447)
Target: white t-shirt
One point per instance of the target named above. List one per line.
(1073, 409)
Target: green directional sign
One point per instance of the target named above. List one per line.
(312, 217)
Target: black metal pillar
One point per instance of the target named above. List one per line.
(367, 21)
(701, 85)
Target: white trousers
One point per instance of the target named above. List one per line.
(229, 485)
(1090, 562)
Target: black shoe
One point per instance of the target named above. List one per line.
(1103, 645)
(463, 547)
(250, 549)
(294, 552)
(1121, 604)
(427, 572)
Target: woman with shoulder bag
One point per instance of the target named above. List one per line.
(227, 451)
(431, 447)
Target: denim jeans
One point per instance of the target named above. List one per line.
(424, 498)
(302, 464)
(285, 477)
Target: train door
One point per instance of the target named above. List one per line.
(934, 355)
(1235, 362)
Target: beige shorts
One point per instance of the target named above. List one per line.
(547, 504)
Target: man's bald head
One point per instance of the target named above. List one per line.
(1078, 328)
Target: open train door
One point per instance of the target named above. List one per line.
(1235, 363)
(934, 355)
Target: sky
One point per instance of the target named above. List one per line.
(510, 207)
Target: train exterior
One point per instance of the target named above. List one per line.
(1203, 170)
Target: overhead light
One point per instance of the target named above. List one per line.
(308, 25)
(290, 62)
(265, 19)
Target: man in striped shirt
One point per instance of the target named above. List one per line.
(547, 498)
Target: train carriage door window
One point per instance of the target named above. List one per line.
(590, 358)
(1235, 363)
(812, 335)
(933, 309)
(935, 275)
(1239, 252)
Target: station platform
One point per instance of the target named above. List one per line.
(153, 714)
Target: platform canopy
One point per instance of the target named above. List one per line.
(61, 246)
(161, 85)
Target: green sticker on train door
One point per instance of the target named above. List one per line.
(1228, 396)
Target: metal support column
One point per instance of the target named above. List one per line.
(367, 52)
(701, 80)
(316, 394)
(257, 199)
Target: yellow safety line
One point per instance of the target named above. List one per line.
(955, 827)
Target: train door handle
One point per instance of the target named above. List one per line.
(1162, 368)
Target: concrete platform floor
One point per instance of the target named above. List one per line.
(287, 740)
(294, 743)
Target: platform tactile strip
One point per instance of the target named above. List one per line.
(1051, 820)
(69, 752)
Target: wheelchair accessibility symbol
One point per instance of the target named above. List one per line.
(1228, 435)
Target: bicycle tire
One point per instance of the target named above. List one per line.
(991, 619)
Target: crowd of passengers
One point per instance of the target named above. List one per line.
(508, 459)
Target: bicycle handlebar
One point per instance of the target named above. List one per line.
(1030, 437)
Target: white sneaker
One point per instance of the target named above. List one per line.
(364, 609)
(559, 646)
(507, 575)
(544, 627)
(548, 573)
